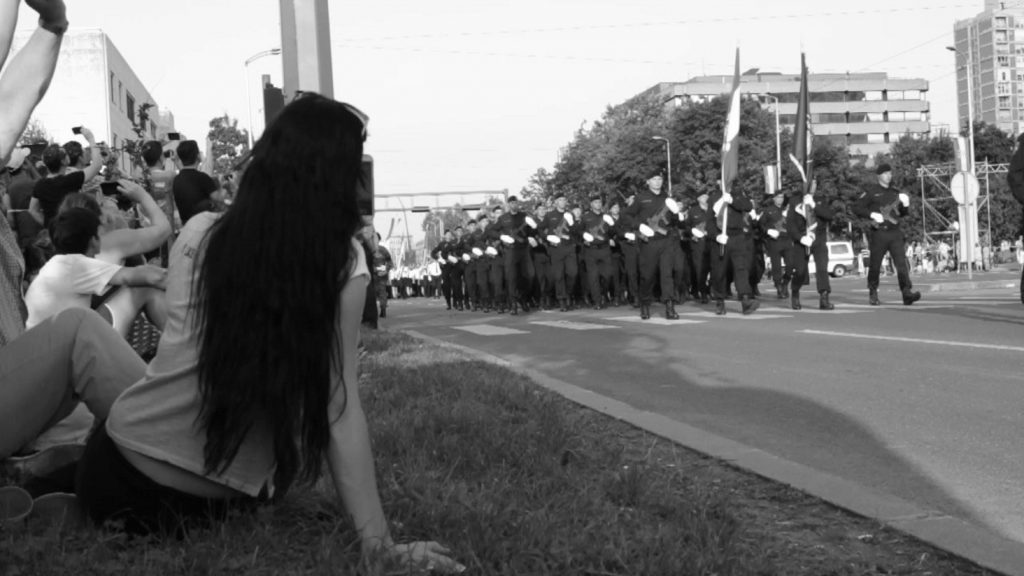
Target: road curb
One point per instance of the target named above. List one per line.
(967, 286)
(968, 541)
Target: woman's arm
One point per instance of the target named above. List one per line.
(349, 454)
(117, 245)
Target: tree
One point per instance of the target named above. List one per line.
(228, 143)
(34, 132)
(449, 219)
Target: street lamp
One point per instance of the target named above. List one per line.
(778, 142)
(248, 96)
(668, 156)
(970, 99)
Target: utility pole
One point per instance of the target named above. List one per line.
(306, 48)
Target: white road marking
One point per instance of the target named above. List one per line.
(914, 340)
(896, 304)
(488, 330)
(573, 325)
(811, 309)
(737, 315)
(656, 321)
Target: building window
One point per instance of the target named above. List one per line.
(1003, 61)
(877, 138)
(1004, 101)
(828, 118)
(787, 118)
(1000, 21)
(1001, 36)
(894, 95)
(827, 96)
(131, 107)
(1003, 88)
(837, 139)
(858, 139)
(873, 95)
(1005, 116)
(113, 89)
(120, 88)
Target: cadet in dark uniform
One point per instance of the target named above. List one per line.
(700, 256)
(514, 229)
(470, 246)
(561, 230)
(496, 261)
(777, 242)
(443, 254)
(618, 268)
(885, 208)
(732, 249)
(628, 241)
(483, 279)
(652, 221)
(542, 265)
(806, 223)
(596, 231)
(458, 270)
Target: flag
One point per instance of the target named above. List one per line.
(802, 134)
(730, 141)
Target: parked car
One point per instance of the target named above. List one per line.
(840, 259)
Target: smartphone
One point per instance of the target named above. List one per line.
(173, 136)
(76, 130)
(109, 188)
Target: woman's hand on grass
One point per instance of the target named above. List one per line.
(429, 556)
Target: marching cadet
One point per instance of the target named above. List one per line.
(630, 252)
(471, 256)
(618, 287)
(886, 208)
(458, 269)
(442, 253)
(596, 231)
(778, 242)
(542, 265)
(496, 261)
(806, 221)
(733, 247)
(515, 227)
(560, 229)
(700, 255)
(651, 217)
(483, 279)
(680, 259)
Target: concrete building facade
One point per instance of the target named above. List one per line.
(865, 111)
(990, 47)
(94, 86)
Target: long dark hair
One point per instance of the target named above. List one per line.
(268, 289)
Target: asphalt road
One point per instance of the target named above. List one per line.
(925, 402)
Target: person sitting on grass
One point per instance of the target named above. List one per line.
(255, 380)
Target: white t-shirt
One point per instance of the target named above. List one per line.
(66, 281)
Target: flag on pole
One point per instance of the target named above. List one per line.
(730, 141)
(802, 134)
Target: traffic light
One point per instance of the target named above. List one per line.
(364, 195)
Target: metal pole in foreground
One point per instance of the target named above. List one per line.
(306, 48)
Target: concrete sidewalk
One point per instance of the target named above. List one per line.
(971, 542)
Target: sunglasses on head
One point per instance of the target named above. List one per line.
(363, 116)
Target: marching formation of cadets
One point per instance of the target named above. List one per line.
(651, 248)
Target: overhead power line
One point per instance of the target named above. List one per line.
(666, 23)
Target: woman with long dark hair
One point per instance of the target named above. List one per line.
(255, 382)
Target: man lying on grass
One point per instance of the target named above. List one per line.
(255, 382)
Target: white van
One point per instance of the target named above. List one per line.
(840, 259)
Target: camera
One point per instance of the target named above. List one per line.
(76, 130)
(109, 188)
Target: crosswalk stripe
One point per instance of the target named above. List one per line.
(489, 330)
(737, 315)
(573, 325)
(656, 321)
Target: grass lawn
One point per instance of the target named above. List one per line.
(515, 480)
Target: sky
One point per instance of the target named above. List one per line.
(470, 95)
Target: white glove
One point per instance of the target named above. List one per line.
(698, 233)
(452, 259)
(465, 257)
(682, 216)
(809, 200)
(905, 199)
(877, 217)
(568, 218)
(727, 198)
(646, 230)
(717, 207)
(491, 251)
(754, 215)
(553, 240)
(588, 237)
(507, 239)
(630, 236)
(773, 233)
(807, 240)
(722, 239)
(611, 242)
(478, 252)
(608, 219)
(532, 241)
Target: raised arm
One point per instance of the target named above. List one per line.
(117, 245)
(27, 76)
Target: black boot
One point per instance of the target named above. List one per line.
(645, 312)
(749, 304)
(785, 290)
(670, 310)
(873, 297)
(910, 297)
(515, 308)
(563, 305)
(823, 303)
(448, 304)
(779, 293)
(794, 301)
(720, 307)
(704, 298)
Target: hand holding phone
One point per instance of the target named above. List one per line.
(76, 130)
